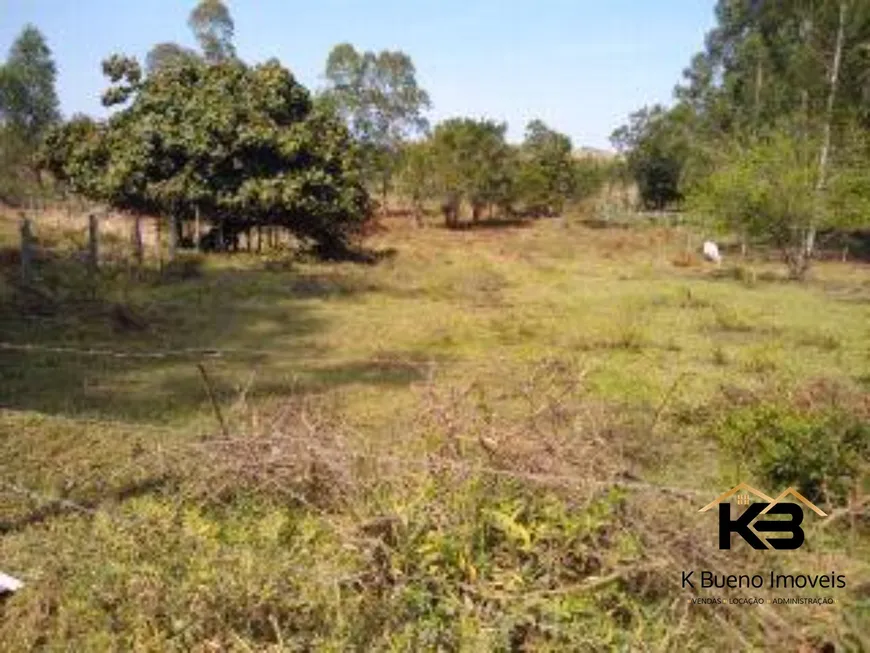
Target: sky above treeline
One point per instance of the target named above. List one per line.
(579, 65)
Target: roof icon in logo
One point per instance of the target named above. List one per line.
(743, 487)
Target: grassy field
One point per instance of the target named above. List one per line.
(494, 439)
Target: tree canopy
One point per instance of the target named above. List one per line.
(378, 96)
(657, 144)
(547, 170)
(470, 160)
(242, 144)
(28, 107)
(28, 101)
(769, 72)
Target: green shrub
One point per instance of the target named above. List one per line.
(821, 454)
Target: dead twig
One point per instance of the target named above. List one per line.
(214, 403)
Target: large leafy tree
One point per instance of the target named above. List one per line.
(242, 145)
(377, 94)
(28, 107)
(472, 162)
(28, 100)
(657, 144)
(546, 175)
(765, 61)
(416, 178)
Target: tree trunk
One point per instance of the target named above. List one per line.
(93, 243)
(157, 224)
(759, 82)
(138, 248)
(417, 205)
(173, 236)
(810, 236)
(196, 229)
(26, 249)
(450, 209)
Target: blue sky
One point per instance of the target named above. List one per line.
(579, 65)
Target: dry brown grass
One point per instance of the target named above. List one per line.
(547, 438)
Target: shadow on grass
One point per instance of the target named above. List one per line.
(315, 380)
(493, 223)
(64, 331)
(600, 223)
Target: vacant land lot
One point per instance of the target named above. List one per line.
(492, 439)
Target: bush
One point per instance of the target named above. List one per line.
(820, 453)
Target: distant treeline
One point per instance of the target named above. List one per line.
(200, 134)
(768, 134)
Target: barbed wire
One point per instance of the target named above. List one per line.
(200, 353)
(217, 353)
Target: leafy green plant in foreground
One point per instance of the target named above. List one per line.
(821, 453)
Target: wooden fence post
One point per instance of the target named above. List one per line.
(173, 236)
(26, 249)
(157, 225)
(196, 228)
(93, 243)
(138, 246)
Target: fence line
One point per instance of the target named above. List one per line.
(208, 352)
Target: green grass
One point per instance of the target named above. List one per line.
(429, 353)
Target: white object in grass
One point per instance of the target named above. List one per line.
(711, 252)
(9, 584)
